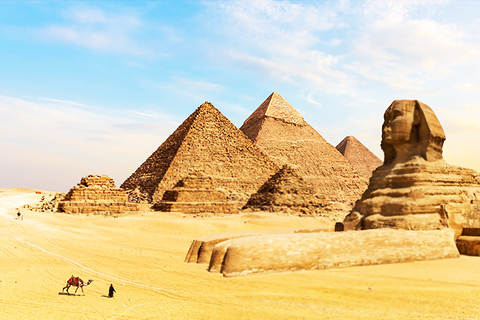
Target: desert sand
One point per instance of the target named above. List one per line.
(142, 255)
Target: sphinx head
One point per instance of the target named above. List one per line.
(410, 130)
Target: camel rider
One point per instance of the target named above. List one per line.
(111, 290)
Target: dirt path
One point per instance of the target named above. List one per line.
(143, 255)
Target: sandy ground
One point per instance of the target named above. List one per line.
(143, 256)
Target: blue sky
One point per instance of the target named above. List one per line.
(94, 87)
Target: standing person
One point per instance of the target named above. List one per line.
(19, 215)
(111, 290)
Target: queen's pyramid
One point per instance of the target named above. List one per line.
(207, 143)
(362, 159)
(281, 133)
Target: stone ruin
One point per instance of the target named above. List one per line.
(362, 159)
(282, 134)
(424, 207)
(206, 143)
(287, 192)
(416, 189)
(196, 193)
(96, 194)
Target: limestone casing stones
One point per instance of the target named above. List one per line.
(282, 134)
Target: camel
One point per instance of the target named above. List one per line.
(76, 282)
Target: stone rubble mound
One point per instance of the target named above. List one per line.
(50, 206)
(96, 194)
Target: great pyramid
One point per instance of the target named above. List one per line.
(362, 159)
(208, 143)
(281, 133)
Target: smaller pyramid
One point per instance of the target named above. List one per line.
(96, 194)
(286, 191)
(196, 194)
(362, 159)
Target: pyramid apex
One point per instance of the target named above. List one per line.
(275, 106)
(206, 104)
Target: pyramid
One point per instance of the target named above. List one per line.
(362, 159)
(207, 143)
(96, 194)
(196, 194)
(282, 134)
(286, 191)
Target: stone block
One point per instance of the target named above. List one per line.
(313, 251)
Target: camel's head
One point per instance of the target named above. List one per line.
(88, 282)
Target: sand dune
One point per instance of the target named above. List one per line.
(143, 256)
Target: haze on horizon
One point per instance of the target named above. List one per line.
(94, 87)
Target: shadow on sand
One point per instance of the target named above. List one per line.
(69, 294)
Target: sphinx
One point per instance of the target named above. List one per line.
(415, 189)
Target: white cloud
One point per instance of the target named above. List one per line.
(69, 142)
(408, 53)
(195, 90)
(119, 33)
(73, 103)
(283, 41)
(467, 87)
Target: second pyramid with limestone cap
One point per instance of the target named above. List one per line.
(281, 133)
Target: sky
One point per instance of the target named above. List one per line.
(95, 87)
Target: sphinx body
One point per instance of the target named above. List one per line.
(415, 188)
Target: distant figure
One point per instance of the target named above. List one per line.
(111, 290)
(43, 198)
(19, 215)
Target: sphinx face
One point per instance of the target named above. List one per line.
(398, 123)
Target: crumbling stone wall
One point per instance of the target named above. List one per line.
(96, 194)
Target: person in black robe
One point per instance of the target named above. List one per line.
(111, 290)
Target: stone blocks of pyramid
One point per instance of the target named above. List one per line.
(96, 194)
(208, 143)
(282, 134)
(286, 191)
(362, 159)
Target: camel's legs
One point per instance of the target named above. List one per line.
(67, 287)
(76, 290)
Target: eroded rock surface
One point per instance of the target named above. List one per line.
(415, 188)
(96, 194)
(324, 250)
